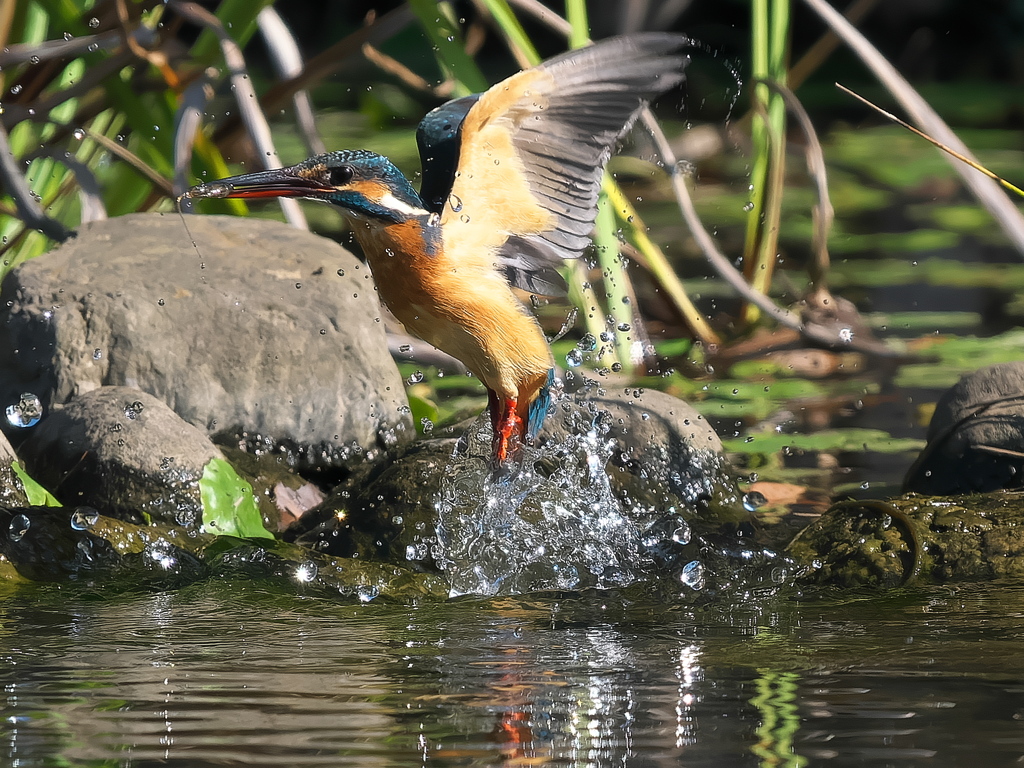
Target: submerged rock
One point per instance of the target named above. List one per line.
(915, 538)
(60, 544)
(976, 436)
(265, 333)
(123, 452)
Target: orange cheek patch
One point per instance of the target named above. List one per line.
(371, 189)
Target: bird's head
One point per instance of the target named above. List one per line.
(364, 184)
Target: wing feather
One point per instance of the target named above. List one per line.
(532, 152)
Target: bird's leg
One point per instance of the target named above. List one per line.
(508, 426)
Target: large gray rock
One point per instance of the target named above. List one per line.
(266, 333)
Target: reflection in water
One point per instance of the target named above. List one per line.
(222, 673)
(776, 701)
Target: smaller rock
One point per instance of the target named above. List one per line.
(665, 458)
(976, 436)
(123, 452)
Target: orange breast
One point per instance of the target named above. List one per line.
(461, 305)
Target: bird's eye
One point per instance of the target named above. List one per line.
(341, 175)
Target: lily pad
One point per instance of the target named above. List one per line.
(829, 440)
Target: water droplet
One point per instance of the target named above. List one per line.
(681, 535)
(417, 551)
(97, 354)
(415, 378)
(693, 574)
(33, 59)
(366, 594)
(404, 349)
(161, 302)
(84, 518)
(748, 206)
(464, 219)
(865, 485)
(18, 528)
(306, 572)
(26, 412)
(160, 553)
(455, 202)
(846, 335)
(685, 167)
(623, 327)
(78, 133)
(94, 23)
(574, 358)
(754, 500)
(68, 36)
(15, 89)
(587, 343)
(298, 285)
(133, 410)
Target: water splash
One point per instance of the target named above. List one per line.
(552, 522)
(555, 522)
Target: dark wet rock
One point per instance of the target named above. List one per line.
(12, 492)
(666, 462)
(386, 512)
(915, 539)
(976, 436)
(123, 452)
(267, 334)
(283, 495)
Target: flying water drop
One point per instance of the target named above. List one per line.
(693, 574)
(18, 528)
(84, 518)
(26, 412)
(754, 500)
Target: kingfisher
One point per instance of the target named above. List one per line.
(509, 189)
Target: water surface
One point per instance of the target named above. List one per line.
(229, 673)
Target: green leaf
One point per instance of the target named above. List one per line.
(229, 506)
(36, 494)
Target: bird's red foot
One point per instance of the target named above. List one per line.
(508, 431)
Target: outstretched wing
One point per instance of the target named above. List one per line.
(532, 152)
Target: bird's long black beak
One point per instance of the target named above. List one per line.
(280, 182)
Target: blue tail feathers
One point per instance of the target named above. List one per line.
(539, 407)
